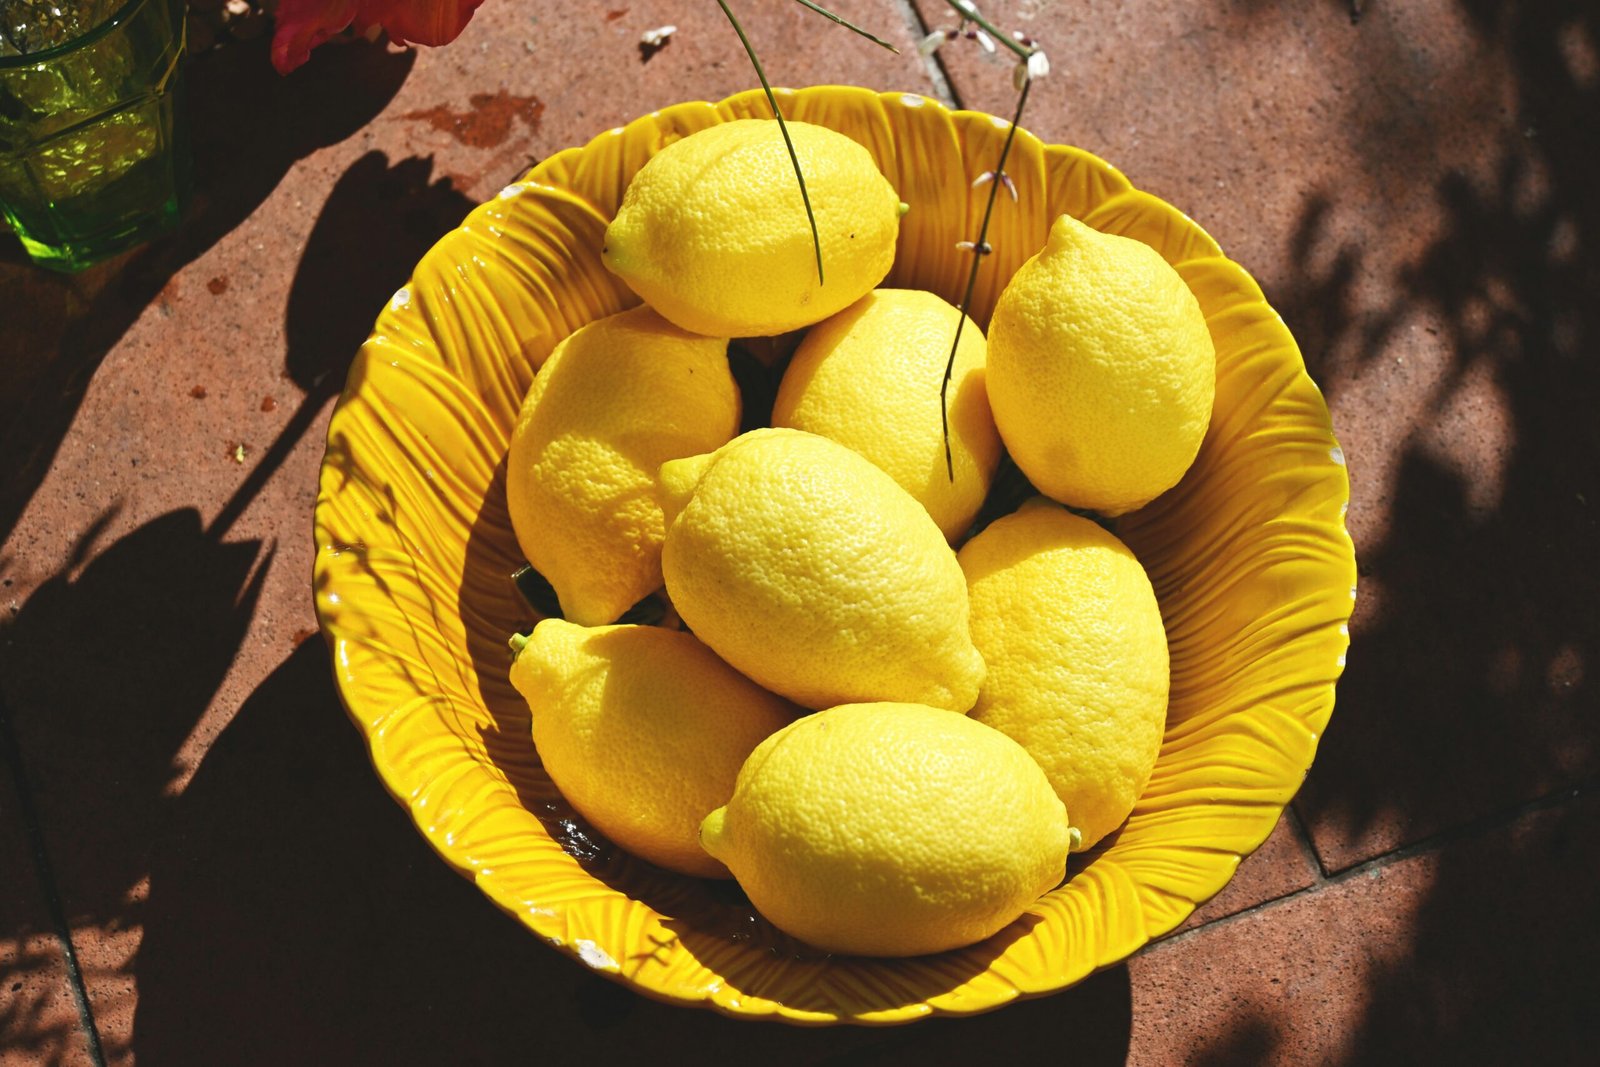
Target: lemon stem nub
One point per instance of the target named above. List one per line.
(677, 481)
(518, 642)
(711, 831)
(1074, 839)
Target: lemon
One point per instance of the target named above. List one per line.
(643, 730)
(614, 401)
(1068, 624)
(1101, 370)
(870, 378)
(811, 571)
(712, 231)
(890, 830)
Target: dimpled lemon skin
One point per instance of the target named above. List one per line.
(1068, 624)
(643, 730)
(712, 231)
(869, 378)
(614, 401)
(890, 830)
(812, 572)
(1101, 370)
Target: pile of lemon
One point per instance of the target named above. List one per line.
(891, 732)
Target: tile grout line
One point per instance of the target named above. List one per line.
(1471, 828)
(1431, 843)
(1302, 836)
(932, 65)
(12, 753)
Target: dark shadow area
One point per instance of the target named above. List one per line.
(1249, 1040)
(1502, 953)
(295, 916)
(648, 49)
(107, 668)
(110, 665)
(1471, 683)
(376, 224)
(1471, 686)
(33, 990)
(248, 126)
(1319, 303)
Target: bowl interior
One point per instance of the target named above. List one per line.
(1249, 557)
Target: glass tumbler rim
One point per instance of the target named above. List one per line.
(95, 33)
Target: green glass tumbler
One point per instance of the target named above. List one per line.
(94, 153)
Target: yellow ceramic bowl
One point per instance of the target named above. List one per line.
(1248, 554)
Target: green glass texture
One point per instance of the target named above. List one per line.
(93, 151)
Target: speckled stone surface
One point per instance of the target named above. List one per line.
(1472, 952)
(1414, 191)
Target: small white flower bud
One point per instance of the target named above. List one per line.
(1035, 66)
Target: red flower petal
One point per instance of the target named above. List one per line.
(304, 24)
(431, 22)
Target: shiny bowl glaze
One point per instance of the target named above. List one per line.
(1248, 554)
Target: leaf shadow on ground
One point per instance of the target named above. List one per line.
(1479, 621)
(158, 615)
(99, 708)
(1466, 715)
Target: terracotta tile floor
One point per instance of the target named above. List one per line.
(1414, 190)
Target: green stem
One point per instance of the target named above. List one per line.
(816, 240)
(972, 276)
(825, 13)
(968, 11)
